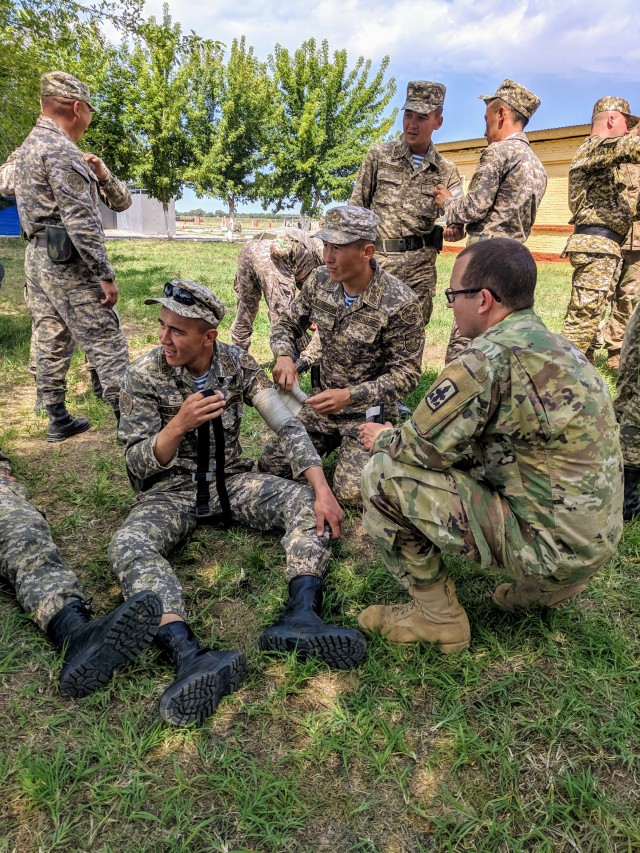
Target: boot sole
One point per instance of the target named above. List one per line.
(194, 698)
(338, 651)
(131, 632)
(55, 437)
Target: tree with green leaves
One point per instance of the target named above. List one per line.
(230, 131)
(43, 35)
(327, 119)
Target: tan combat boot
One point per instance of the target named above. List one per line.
(525, 594)
(434, 616)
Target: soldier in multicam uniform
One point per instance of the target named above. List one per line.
(371, 336)
(46, 588)
(70, 284)
(507, 186)
(168, 395)
(627, 289)
(512, 459)
(602, 217)
(274, 266)
(397, 180)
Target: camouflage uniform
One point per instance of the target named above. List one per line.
(597, 198)
(626, 292)
(164, 513)
(54, 186)
(402, 196)
(511, 459)
(274, 266)
(505, 191)
(627, 402)
(373, 348)
(29, 560)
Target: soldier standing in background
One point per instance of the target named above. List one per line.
(507, 186)
(602, 217)
(512, 459)
(274, 266)
(397, 180)
(627, 290)
(70, 284)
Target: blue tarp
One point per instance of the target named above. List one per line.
(9, 222)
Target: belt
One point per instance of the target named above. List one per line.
(600, 231)
(411, 243)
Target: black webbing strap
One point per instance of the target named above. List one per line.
(203, 477)
(221, 486)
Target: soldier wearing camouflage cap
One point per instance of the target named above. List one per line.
(397, 180)
(512, 459)
(182, 404)
(274, 266)
(508, 184)
(602, 216)
(371, 338)
(70, 285)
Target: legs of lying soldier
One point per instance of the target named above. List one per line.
(29, 559)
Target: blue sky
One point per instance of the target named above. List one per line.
(569, 52)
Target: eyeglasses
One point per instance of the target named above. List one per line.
(451, 294)
(179, 294)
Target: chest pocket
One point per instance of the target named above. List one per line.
(232, 411)
(389, 187)
(425, 199)
(167, 412)
(323, 314)
(364, 331)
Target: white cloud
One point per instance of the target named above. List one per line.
(434, 37)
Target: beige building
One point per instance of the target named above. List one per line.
(555, 147)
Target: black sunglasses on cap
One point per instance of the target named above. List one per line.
(179, 294)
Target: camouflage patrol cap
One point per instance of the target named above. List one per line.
(424, 97)
(347, 224)
(62, 85)
(512, 93)
(190, 299)
(611, 104)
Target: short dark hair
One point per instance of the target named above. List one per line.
(513, 112)
(505, 266)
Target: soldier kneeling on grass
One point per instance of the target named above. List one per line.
(511, 459)
(180, 423)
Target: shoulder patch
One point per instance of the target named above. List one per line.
(411, 314)
(76, 183)
(413, 342)
(263, 380)
(126, 402)
(249, 362)
(446, 397)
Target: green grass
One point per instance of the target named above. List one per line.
(526, 742)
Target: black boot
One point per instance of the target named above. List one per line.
(203, 676)
(93, 648)
(96, 385)
(62, 425)
(631, 505)
(301, 630)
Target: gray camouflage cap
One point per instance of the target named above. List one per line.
(347, 224)
(612, 104)
(424, 97)
(62, 85)
(512, 93)
(190, 299)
